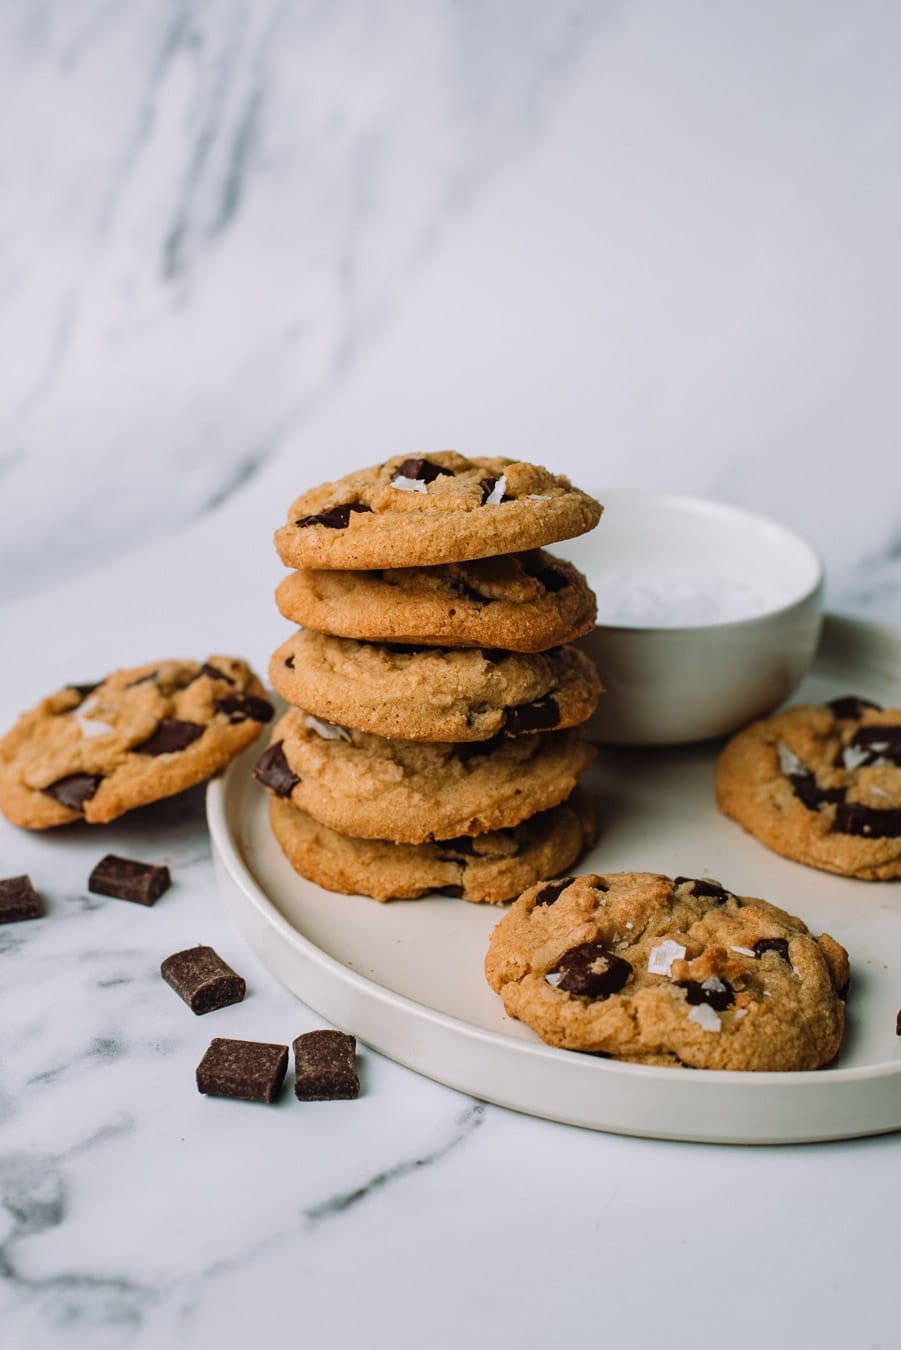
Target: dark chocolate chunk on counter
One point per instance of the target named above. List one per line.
(252, 1071)
(203, 979)
(325, 1067)
(19, 900)
(126, 879)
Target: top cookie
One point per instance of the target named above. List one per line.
(91, 752)
(520, 602)
(639, 967)
(821, 785)
(432, 510)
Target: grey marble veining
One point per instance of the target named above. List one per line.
(233, 200)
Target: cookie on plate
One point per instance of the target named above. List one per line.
(91, 752)
(523, 602)
(438, 509)
(411, 791)
(638, 967)
(491, 867)
(820, 785)
(434, 693)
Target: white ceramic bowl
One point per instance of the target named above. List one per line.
(709, 616)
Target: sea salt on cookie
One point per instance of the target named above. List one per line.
(638, 967)
(432, 510)
(820, 785)
(91, 752)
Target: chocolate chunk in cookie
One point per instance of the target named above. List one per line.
(821, 785)
(637, 967)
(464, 509)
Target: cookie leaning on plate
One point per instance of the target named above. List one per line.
(490, 868)
(408, 792)
(92, 752)
(434, 693)
(820, 785)
(428, 511)
(638, 967)
(522, 602)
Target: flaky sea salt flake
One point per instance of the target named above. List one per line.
(706, 1017)
(661, 957)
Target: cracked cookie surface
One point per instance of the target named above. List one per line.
(524, 602)
(409, 792)
(440, 508)
(434, 693)
(92, 752)
(639, 967)
(488, 868)
(821, 785)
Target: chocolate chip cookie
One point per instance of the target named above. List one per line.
(820, 785)
(409, 791)
(91, 752)
(437, 509)
(638, 967)
(491, 867)
(434, 693)
(522, 602)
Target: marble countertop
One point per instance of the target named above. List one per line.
(248, 248)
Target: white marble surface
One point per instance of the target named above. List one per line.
(244, 248)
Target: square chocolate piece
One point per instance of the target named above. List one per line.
(252, 1071)
(203, 979)
(325, 1067)
(19, 900)
(126, 879)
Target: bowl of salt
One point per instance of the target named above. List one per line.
(708, 616)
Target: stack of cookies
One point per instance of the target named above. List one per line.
(433, 741)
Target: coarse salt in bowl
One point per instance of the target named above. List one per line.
(708, 616)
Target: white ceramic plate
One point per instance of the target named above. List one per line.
(406, 977)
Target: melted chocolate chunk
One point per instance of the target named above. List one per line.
(252, 1071)
(590, 971)
(203, 980)
(126, 879)
(537, 716)
(213, 673)
(487, 485)
(696, 993)
(779, 945)
(74, 790)
(552, 579)
(879, 743)
(473, 749)
(325, 1067)
(850, 706)
(423, 470)
(705, 888)
(869, 821)
(19, 900)
(240, 707)
(336, 517)
(807, 790)
(289, 662)
(274, 772)
(170, 736)
(552, 891)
